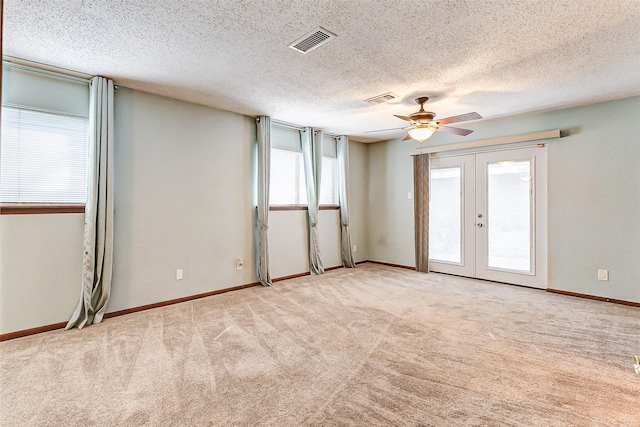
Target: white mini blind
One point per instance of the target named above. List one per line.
(285, 138)
(329, 148)
(34, 90)
(287, 186)
(329, 181)
(43, 157)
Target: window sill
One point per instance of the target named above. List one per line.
(22, 209)
(302, 207)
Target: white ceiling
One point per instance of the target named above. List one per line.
(496, 57)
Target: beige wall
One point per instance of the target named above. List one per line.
(359, 198)
(390, 210)
(593, 195)
(289, 241)
(40, 269)
(183, 200)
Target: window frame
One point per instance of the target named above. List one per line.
(44, 208)
(301, 207)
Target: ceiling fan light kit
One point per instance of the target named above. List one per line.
(421, 133)
(423, 124)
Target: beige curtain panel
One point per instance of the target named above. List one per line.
(263, 175)
(311, 142)
(421, 210)
(97, 260)
(343, 198)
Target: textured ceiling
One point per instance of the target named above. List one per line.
(496, 57)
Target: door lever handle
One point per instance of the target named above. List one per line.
(479, 224)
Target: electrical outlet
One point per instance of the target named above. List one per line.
(179, 274)
(355, 248)
(410, 196)
(603, 275)
(239, 263)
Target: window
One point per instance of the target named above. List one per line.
(328, 181)
(44, 157)
(287, 178)
(288, 183)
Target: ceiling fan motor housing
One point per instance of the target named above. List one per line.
(422, 117)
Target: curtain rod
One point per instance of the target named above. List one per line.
(48, 70)
(298, 127)
(534, 136)
(489, 150)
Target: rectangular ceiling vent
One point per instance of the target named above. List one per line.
(381, 98)
(313, 40)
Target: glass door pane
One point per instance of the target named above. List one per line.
(445, 215)
(509, 210)
(488, 215)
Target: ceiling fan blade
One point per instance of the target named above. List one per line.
(408, 137)
(460, 118)
(384, 130)
(457, 131)
(409, 119)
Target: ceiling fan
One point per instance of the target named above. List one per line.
(423, 124)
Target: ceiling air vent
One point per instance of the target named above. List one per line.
(381, 98)
(313, 40)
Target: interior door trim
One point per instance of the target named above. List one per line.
(537, 276)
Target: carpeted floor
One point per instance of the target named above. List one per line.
(374, 346)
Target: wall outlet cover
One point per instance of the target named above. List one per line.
(179, 274)
(603, 275)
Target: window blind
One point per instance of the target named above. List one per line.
(23, 88)
(43, 157)
(329, 148)
(287, 178)
(329, 181)
(284, 138)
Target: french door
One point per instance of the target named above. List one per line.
(488, 216)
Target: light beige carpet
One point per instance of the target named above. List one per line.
(375, 346)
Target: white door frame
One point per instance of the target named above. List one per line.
(473, 197)
(466, 266)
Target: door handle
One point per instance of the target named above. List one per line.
(479, 224)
